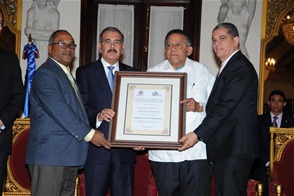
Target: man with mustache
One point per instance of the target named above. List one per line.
(60, 131)
(105, 169)
(187, 172)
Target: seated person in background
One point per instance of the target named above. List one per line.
(275, 117)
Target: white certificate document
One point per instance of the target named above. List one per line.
(148, 110)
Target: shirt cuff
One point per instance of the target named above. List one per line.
(2, 128)
(89, 135)
(98, 123)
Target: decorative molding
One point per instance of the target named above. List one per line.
(11, 10)
(279, 139)
(12, 14)
(275, 8)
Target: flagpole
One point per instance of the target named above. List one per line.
(30, 52)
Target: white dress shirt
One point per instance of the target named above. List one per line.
(199, 85)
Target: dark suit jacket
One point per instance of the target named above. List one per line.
(11, 102)
(12, 95)
(230, 126)
(97, 95)
(59, 121)
(264, 122)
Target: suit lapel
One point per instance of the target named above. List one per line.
(63, 76)
(101, 78)
(284, 122)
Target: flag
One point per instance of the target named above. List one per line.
(30, 52)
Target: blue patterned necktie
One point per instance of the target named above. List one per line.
(110, 77)
(275, 124)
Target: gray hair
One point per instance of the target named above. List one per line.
(112, 29)
(53, 35)
(232, 29)
(180, 32)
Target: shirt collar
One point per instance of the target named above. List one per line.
(279, 116)
(66, 69)
(226, 61)
(105, 65)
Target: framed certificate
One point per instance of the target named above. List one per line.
(148, 110)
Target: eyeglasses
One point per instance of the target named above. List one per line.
(64, 45)
(109, 42)
(176, 45)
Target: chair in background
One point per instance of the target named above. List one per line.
(144, 181)
(144, 184)
(18, 178)
(281, 161)
(254, 188)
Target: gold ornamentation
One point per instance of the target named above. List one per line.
(288, 27)
(12, 187)
(275, 8)
(283, 137)
(11, 9)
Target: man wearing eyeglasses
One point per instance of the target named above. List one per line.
(186, 172)
(11, 101)
(60, 131)
(105, 169)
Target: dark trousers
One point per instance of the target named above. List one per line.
(53, 180)
(3, 168)
(113, 175)
(182, 179)
(231, 175)
(4, 152)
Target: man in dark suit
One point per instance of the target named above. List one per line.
(230, 126)
(276, 103)
(104, 168)
(60, 131)
(11, 102)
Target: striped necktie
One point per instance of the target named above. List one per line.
(74, 86)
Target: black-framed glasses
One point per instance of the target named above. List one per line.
(64, 45)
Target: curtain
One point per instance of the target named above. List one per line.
(121, 17)
(162, 20)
